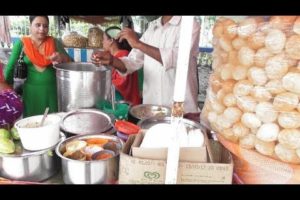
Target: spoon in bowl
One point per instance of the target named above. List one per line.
(44, 117)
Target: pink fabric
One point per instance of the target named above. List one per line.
(4, 30)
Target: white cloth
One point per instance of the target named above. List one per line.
(159, 80)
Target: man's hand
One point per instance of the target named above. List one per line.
(130, 36)
(102, 58)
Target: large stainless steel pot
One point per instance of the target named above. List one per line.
(89, 172)
(81, 85)
(26, 165)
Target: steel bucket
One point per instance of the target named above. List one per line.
(81, 85)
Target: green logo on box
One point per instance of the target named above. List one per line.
(151, 175)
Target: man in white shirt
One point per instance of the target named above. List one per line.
(157, 52)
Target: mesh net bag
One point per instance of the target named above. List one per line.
(74, 39)
(252, 100)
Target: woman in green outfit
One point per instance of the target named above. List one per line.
(41, 52)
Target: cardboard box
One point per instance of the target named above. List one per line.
(134, 170)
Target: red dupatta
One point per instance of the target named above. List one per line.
(33, 53)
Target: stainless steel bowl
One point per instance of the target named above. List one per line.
(26, 165)
(90, 172)
(145, 111)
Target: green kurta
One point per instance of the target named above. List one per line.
(39, 90)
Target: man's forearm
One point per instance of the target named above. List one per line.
(118, 64)
(150, 51)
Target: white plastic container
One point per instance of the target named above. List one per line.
(34, 137)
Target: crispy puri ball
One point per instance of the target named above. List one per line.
(248, 141)
(277, 66)
(238, 43)
(261, 57)
(240, 130)
(220, 95)
(223, 123)
(225, 44)
(233, 57)
(257, 76)
(285, 102)
(298, 152)
(212, 116)
(284, 23)
(261, 94)
(218, 29)
(275, 41)
(256, 40)
(250, 120)
(242, 88)
(290, 138)
(247, 27)
(246, 103)
(239, 72)
(275, 86)
(229, 100)
(266, 112)
(289, 119)
(292, 47)
(229, 135)
(286, 154)
(215, 82)
(268, 132)
(296, 27)
(230, 28)
(291, 82)
(265, 148)
(217, 107)
(226, 72)
(233, 114)
(246, 56)
(228, 85)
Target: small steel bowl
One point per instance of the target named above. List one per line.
(145, 111)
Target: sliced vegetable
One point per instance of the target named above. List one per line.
(126, 127)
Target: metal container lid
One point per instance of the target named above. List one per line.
(21, 152)
(148, 123)
(86, 121)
